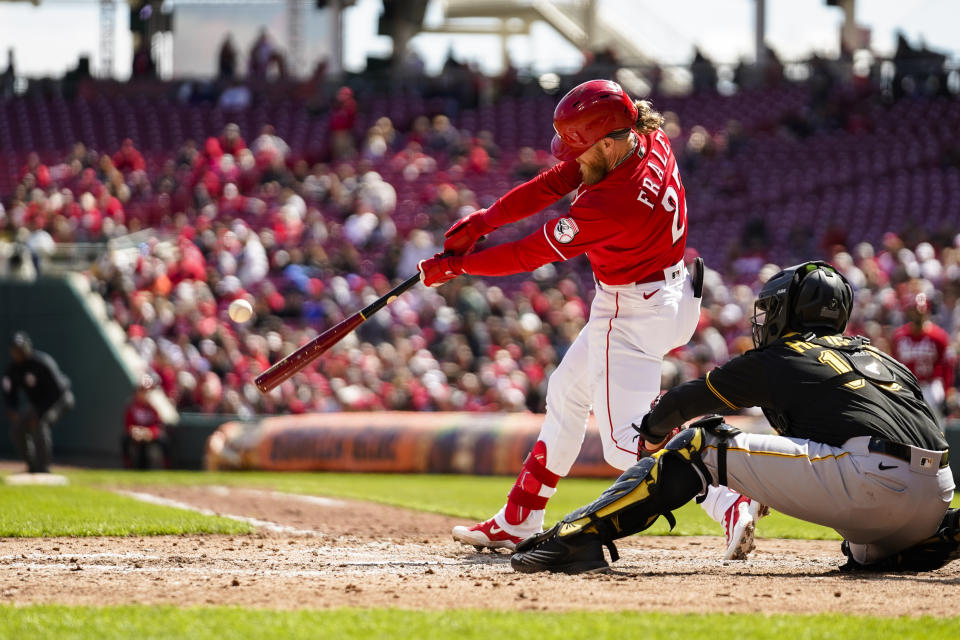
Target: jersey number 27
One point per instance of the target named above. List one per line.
(671, 202)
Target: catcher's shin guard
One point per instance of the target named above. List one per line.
(649, 489)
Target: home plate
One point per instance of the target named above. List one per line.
(49, 479)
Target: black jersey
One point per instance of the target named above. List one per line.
(827, 389)
(39, 377)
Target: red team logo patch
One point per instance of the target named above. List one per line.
(566, 230)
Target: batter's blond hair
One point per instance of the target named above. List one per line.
(648, 118)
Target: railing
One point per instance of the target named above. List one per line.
(72, 256)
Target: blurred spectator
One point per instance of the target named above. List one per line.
(443, 137)
(265, 59)
(143, 65)
(235, 98)
(231, 141)
(343, 117)
(17, 260)
(128, 158)
(381, 139)
(227, 59)
(527, 165)
(925, 349)
(772, 68)
(269, 147)
(37, 170)
(47, 393)
(145, 443)
(704, 73)
(9, 77)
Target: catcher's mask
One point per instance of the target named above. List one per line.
(812, 296)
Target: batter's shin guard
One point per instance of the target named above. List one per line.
(653, 487)
(532, 483)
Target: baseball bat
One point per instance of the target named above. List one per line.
(289, 365)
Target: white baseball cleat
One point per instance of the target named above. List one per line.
(739, 523)
(486, 535)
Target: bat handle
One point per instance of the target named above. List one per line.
(389, 296)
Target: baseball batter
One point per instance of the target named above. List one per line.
(628, 215)
(858, 449)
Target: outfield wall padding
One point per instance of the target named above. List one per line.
(399, 442)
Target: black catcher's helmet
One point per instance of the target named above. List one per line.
(812, 296)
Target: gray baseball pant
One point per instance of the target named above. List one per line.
(879, 503)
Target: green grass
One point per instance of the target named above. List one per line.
(468, 497)
(219, 623)
(82, 511)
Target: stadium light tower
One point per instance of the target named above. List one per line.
(760, 31)
(852, 35)
(295, 36)
(108, 27)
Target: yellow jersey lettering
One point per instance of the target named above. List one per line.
(835, 361)
(800, 346)
(839, 364)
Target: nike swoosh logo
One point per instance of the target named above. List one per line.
(647, 296)
(883, 467)
(494, 529)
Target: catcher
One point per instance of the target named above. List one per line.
(858, 449)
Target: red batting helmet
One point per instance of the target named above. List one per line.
(587, 113)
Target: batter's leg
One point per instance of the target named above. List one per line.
(628, 341)
(625, 381)
(557, 447)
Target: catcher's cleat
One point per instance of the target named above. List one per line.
(927, 555)
(739, 524)
(486, 535)
(548, 552)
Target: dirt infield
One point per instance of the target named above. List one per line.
(321, 553)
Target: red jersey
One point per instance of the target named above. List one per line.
(632, 224)
(927, 355)
(141, 413)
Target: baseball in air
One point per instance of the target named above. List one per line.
(240, 310)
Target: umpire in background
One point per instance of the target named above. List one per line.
(48, 395)
(857, 448)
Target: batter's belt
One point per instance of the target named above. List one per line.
(904, 452)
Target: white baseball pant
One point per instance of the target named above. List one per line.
(613, 366)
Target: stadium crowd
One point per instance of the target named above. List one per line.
(308, 244)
